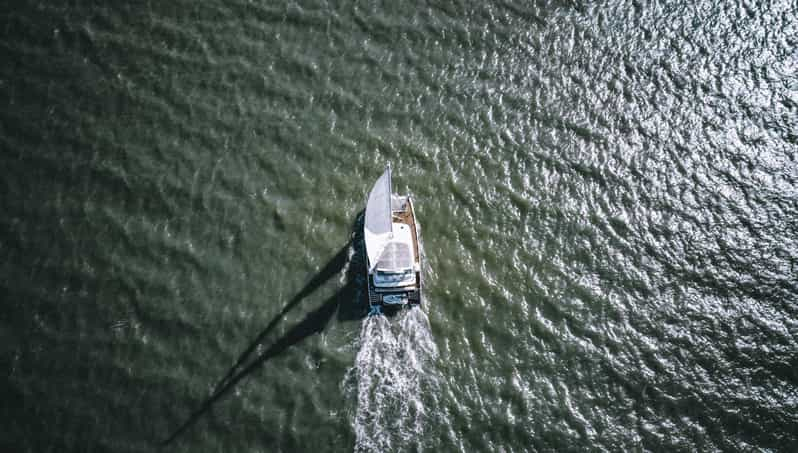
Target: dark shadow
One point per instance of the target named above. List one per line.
(332, 268)
(349, 301)
(354, 294)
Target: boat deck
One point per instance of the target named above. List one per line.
(406, 216)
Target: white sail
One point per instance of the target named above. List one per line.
(378, 223)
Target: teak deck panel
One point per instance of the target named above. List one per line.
(406, 217)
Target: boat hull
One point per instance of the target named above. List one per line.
(410, 294)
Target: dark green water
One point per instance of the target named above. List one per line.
(608, 193)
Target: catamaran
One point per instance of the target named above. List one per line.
(392, 249)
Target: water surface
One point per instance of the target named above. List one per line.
(607, 192)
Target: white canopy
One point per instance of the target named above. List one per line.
(378, 227)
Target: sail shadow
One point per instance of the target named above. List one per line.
(312, 324)
(344, 301)
(332, 268)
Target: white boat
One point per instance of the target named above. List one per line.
(393, 260)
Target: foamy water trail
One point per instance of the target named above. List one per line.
(392, 378)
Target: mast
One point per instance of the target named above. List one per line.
(390, 195)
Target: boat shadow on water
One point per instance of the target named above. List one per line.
(349, 302)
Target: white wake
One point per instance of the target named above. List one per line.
(393, 380)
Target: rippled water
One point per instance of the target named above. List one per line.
(607, 189)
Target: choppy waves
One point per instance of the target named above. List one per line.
(607, 188)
